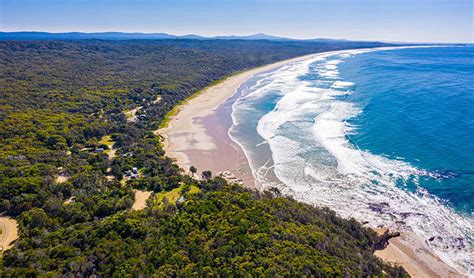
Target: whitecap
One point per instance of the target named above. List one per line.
(307, 134)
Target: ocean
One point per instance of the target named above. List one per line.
(383, 136)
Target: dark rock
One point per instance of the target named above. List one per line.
(378, 207)
(383, 236)
(392, 235)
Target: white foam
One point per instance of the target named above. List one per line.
(342, 84)
(353, 182)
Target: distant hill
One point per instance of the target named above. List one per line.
(149, 36)
(259, 36)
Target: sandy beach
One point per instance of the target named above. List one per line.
(409, 252)
(198, 136)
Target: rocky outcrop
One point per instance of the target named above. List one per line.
(383, 236)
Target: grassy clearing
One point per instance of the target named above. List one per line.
(194, 189)
(174, 194)
(107, 140)
(128, 113)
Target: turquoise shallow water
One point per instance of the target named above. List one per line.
(382, 136)
(418, 106)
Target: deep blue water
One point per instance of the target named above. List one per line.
(384, 136)
(418, 105)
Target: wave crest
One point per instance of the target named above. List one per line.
(307, 133)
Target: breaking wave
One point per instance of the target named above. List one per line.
(301, 112)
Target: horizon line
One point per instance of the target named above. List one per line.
(229, 35)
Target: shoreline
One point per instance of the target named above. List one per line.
(193, 142)
(197, 135)
(408, 251)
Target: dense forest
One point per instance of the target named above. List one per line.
(71, 157)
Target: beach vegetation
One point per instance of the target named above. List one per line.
(193, 170)
(207, 175)
(61, 108)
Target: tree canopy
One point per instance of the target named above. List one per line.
(62, 109)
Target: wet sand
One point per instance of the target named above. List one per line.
(198, 136)
(409, 252)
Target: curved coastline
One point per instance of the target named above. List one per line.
(184, 132)
(198, 135)
(187, 138)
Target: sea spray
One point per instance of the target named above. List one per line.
(302, 115)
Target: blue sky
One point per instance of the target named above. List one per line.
(386, 20)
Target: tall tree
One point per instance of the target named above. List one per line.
(193, 170)
(207, 175)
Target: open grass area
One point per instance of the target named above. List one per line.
(107, 140)
(174, 194)
(128, 113)
(194, 189)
